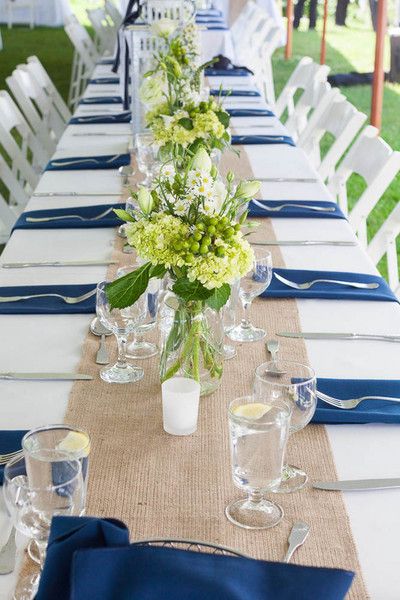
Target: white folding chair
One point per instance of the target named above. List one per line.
(85, 57)
(242, 36)
(18, 5)
(245, 16)
(301, 78)
(262, 64)
(341, 120)
(38, 71)
(315, 99)
(37, 107)
(113, 13)
(105, 31)
(11, 207)
(375, 161)
(384, 243)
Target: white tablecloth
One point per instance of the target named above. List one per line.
(49, 343)
(51, 13)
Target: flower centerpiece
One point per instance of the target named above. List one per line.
(188, 226)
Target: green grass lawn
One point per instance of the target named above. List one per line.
(349, 48)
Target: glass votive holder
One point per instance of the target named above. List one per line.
(180, 402)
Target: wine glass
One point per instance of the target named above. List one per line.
(229, 318)
(122, 322)
(295, 384)
(258, 434)
(254, 283)
(52, 484)
(146, 157)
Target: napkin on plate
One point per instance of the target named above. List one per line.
(261, 139)
(230, 93)
(249, 112)
(217, 27)
(104, 80)
(158, 573)
(10, 441)
(78, 163)
(236, 72)
(293, 212)
(101, 100)
(369, 411)
(87, 212)
(123, 117)
(329, 291)
(48, 305)
(67, 534)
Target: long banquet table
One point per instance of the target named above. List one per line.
(54, 342)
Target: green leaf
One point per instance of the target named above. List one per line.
(126, 290)
(123, 215)
(186, 123)
(191, 290)
(157, 271)
(219, 297)
(223, 118)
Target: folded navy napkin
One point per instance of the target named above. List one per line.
(329, 291)
(101, 100)
(123, 117)
(239, 72)
(85, 212)
(67, 534)
(106, 61)
(249, 112)
(218, 92)
(294, 212)
(48, 305)
(369, 411)
(78, 163)
(104, 80)
(158, 573)
(10, 441)
(261, 139)
(217, 27)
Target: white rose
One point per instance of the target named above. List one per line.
(247, 189)
(145, 200)
(150, 91)
(219, 194)
(164, 27)
(202, 160)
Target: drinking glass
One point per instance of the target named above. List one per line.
(52, 484)
(146, 156)
(254, 283)
(229, 318)
(258, 434)
(295, 384)
(139, 348)
(122, 322)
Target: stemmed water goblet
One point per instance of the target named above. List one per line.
(122, 322)
(258, 434)
(295, 384)
(146, 156)
(254, 283)
(51, 484)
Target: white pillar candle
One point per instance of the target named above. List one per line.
(180, 401)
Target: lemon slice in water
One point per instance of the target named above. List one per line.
(76, 443)
(253, 410)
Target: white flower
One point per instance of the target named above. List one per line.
(202, 160)
(247, 189)
(164, 27)
(181, 207)
(168, 172)
(219, 194)
(145, 200)
(151, 91)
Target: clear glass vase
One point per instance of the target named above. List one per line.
(192, 337)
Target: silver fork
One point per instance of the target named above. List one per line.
(5, 458)
(352, 402)
(67, 299)
(45, 219)
(307, 284)
(287, 205)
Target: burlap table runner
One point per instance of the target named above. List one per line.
(166, 486)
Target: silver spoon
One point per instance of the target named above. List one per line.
(297, 537)
(272, 347)
(97, 328)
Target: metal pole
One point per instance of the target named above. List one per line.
(378, 80)
(323, 39)
(289, 31)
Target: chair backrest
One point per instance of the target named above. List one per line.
(14, 205)
(245, 16)
(302, 76)
(83, 44)
(315, 98)
(113, 12)
(342, 121)
(243, 37)
(105, 31)
(38, 71)
(264, 73)
(375, 161)
(384, 243)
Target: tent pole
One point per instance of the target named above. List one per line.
(378, 79)
(289, 31)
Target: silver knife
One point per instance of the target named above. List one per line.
(46, 376)
(308, 335)
(287, 179)
(7, 554)
(354, 485)
(304, 243)
(78, 194)
(59, 263)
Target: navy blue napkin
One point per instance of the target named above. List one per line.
(328, 291)
(47, 306)
(89, 163)
(249, 112)
(104, 80)
(369, 411)
(87, 212)
(293, 212)
(218, 92)
(10, 441)
(217, 27)
(101, 100)
(211, 21)
(261, 139)
(123, 117)
(67, 534)
(158, 573)
(239, 72)
(106, 61)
